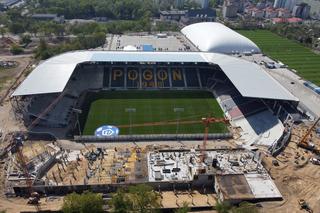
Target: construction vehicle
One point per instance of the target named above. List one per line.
(304, 205)
(206, 122)
(315, 160)
(304, 143)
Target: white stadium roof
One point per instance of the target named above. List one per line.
(217, 38)
(251, 80)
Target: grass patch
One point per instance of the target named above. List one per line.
(296, 56)
(153, 106)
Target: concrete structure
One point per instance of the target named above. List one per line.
(173, 42)
(237, 175)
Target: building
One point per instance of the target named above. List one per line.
(172, 15)
(204, 4)
(214, 67)
(199, 15)
(178, 4)
(236, 175)
(301, 11)
(5, 4)
(283, 13)
(279, 3)
(292, 20)
(258, 14)
(48, 17)
(290, 4)
(229, 11)
(270, 13)
(227, 41)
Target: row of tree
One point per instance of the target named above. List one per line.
(306, 34)
(45, 51)
(140, 199)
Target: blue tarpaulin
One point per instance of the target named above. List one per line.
(147, 47)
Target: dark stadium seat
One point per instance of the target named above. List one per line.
(192, 79)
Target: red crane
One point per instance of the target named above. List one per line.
(206, 122)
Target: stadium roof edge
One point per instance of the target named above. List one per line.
(60, 68)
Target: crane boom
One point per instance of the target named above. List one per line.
(304, 143)
(206, 122)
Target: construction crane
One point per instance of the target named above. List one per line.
(308, 145)
(17, 149)
(206, 122)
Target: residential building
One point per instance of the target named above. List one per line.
(46, 17)
(283, 13)
(204, 4)
(229, 11)
(301, 10)
(279, 3)
(256, 13)
(270, 13)
(172, 15)
(290, 4)
(199, 15)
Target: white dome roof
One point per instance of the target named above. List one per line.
(216, 37)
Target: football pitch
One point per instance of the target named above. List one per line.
(154, 112)
(296, 56)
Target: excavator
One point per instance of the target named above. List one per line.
(304, 143)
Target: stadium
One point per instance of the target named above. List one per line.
(163, 94)
(196, 115)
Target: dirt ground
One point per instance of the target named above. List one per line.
(296, 179)
(7, 78)
(14, 205)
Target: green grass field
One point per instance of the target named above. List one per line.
(296, 56)
(153, 106)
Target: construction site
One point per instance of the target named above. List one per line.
(268, 154)
(48, 169)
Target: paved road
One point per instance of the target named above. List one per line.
(294, 84)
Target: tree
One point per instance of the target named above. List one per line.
(86, 202)
(143, 198)
(222, 207)
(140, 198)
(25, 39)
(245, 207)
(15, 49)
(184, 209)
(119, 202)
(2, 31)
(43, 52)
